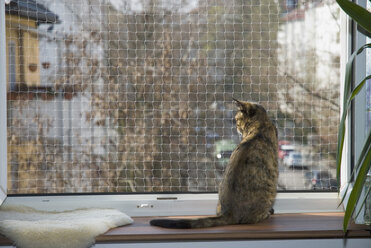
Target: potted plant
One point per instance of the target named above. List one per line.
(363, 18)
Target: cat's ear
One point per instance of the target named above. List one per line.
(245, 107)
(239, 104)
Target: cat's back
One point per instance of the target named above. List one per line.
(255, 156)
(259, 148)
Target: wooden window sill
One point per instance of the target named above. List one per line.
(279, 226)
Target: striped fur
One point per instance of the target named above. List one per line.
(248, 189)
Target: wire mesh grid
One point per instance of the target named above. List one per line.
(136, 96)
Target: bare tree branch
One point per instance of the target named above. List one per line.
(335, 105)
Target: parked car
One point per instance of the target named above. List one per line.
(320, 180)
(223, 150)
(293, 159)
(284, 148)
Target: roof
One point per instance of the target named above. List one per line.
(298, 13)
(32, 10)
(294, 15)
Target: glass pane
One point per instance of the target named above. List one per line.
(367, 213)
(136, 96)
(368, 83)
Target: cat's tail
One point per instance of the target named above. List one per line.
(193, 223)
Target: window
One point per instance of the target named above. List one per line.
(139, 94)
(11, 65)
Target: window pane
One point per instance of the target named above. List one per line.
(368, 83)
(136, 96)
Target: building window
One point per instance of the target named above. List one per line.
(12, 65)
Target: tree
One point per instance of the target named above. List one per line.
(174, 75)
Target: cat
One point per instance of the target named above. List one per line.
(248, 189)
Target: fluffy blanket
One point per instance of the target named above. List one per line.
(30, 228)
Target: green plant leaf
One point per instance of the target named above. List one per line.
(359, 88)
(357, 189)
(363, 200)
(368, 141)
(341, 135)
(348, 97)
(346, 105)
(359, 14)
(366, 148)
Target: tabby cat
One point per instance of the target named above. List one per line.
(248, 189)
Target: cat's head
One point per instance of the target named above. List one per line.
(249, 113)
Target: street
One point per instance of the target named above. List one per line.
(300, 178)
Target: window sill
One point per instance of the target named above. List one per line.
(279, 226)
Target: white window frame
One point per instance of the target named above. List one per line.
(140, 204)
(346, 47)
(3, 142)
